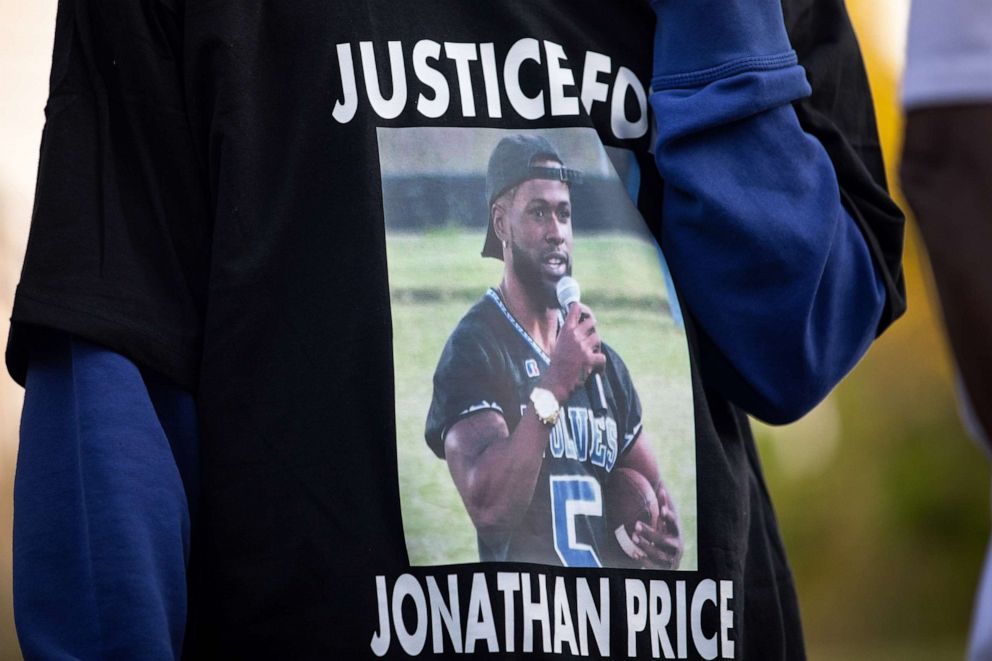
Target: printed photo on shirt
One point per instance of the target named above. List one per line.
(544, 407)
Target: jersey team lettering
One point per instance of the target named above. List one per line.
(580, 435)
(600, 82)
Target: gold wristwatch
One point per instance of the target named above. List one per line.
(545, 405)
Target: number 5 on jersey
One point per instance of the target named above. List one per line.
(572, 497)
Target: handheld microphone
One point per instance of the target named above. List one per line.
(569, 293)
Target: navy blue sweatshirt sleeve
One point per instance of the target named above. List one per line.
(104, 494)
(768, 260)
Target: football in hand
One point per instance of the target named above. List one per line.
(629, 499)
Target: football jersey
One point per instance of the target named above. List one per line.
(491, 363)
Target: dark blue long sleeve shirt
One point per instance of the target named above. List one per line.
(765, 256)
(105, 494)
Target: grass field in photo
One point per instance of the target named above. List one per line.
(436, 276)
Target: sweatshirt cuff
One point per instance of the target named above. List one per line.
(682, 112)
(713, 74)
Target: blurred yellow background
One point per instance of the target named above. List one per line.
(882, 499)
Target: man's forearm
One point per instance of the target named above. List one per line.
(497, 484)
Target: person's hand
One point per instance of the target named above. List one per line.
(576, 354)
(660, 547)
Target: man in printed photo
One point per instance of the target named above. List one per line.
(531, 410)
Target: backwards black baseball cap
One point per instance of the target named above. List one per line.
(511, 164)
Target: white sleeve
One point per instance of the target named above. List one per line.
(949, 53)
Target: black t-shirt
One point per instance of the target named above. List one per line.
(210, 203)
